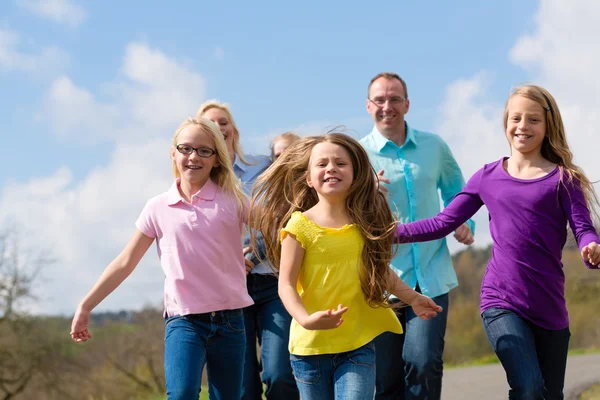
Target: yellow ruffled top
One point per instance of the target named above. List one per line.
(329, 276)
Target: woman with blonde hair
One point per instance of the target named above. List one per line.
(266, 320)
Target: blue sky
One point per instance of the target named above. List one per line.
(92, 93)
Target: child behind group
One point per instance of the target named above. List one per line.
(530, 196)
(336, 243)
(198, 226)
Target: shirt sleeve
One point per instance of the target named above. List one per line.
(297, 226)
(575, 207)
(451, 180)
(146, 222)
(463, 206)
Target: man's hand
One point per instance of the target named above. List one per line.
(463, 235)
(382, 179)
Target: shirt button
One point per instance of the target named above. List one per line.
(193, 217)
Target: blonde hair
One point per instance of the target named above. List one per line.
(291, 137)
(222, 173)
(555, 147)
(282, 189)
(237, 149)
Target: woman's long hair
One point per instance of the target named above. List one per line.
(283, 189)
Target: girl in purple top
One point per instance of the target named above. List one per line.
(530, 196)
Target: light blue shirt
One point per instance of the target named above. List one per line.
(248, 175)
(419, 168)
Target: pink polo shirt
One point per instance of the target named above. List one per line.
(200, 249)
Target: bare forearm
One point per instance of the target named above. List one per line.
(292, 302)
(400, 289)
(111, 278)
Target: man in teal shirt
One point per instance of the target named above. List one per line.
(413, 166)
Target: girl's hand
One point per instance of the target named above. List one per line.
(79, 326)
(424, 307)
(591, 253)
(327, 319)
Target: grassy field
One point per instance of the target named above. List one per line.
(592, 393)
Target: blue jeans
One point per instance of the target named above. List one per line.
(534, 359)
(410, 366)
(267, 320)
(347, 376)
(216, 339)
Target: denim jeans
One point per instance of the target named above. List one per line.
(534, 359)
(216, 339)
(410, 366)
(268, 321)
(347, 376)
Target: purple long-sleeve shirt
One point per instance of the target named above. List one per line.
(528, 224)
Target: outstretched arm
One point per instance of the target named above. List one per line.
(575, 207)
(116, 272)
(463, 207)
(450, 183)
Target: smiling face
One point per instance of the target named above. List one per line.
(221, 118)
(330, 170)
(525, 125)
(191, 167)
(387, 104)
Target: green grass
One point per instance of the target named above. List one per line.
(593, 393)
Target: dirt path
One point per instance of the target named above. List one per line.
(488, 382)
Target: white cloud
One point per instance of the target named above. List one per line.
(61, 11)
(86, 224)
(156, 94)
(559, 54)
(13, 58)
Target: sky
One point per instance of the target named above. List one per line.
(92, 93)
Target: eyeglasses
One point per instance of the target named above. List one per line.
(394, 101)
(203, 152)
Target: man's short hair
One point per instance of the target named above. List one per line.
(388, 75)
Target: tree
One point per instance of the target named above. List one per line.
(21, 354)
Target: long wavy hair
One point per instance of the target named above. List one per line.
(237, 148)
(283, 189)
(555, 147)
(222, 174)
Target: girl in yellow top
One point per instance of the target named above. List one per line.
(336, 242)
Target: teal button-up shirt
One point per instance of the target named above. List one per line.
(419, 168)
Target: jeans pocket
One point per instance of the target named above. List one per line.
(235, 322)
(364, 355)
(172, 318)
(307, 369)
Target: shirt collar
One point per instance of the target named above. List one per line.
(239, 165)
(381, 141)
(207, 192)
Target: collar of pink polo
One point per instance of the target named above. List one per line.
(207, 192)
